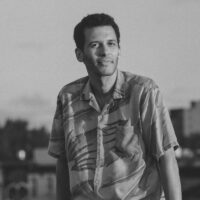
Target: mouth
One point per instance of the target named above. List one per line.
(104, 61)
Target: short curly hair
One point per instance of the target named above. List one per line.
(91, 21)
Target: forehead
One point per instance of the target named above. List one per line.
(99, 33)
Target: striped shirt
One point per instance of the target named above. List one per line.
(113, 153)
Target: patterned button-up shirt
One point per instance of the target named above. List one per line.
(113, 153)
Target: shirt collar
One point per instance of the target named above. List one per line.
(118, 93)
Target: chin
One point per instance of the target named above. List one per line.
(107, 73)
(107, 70)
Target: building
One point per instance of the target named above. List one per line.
(41, 180)
(1, 183)
(35, 180)
(186, 122)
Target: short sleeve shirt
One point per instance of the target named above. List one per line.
(112, 153)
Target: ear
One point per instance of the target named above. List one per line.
(119, 50)
(79, 54)
(119, 54)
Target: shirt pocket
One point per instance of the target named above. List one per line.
(127, 143)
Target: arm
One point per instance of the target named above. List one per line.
(57, 150)
(158, 133)
(62, 179)
(170, 175)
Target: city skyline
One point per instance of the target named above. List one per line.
(159, 39)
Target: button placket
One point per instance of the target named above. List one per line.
(100, 153)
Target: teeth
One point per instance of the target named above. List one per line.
(105, 61)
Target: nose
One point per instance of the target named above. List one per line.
(103, 50)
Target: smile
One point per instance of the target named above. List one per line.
(104, 61)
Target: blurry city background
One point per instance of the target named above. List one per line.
(159, 39)
(27, 171)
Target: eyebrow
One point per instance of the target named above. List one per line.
(97, 41)
(113, 40)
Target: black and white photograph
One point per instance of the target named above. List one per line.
(99, 100)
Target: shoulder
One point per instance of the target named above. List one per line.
(74, 88)
(138, 81)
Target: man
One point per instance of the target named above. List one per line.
(111, 134)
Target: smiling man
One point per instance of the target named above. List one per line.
(100, 55)
(112, 135)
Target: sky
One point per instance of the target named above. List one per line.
(159, 39)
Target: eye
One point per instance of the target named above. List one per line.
(94, 44)
(112, 43)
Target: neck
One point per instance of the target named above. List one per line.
(103, 88)
(104, 84)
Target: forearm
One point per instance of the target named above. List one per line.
(170, 176)
(62, 179)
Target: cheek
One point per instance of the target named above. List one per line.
(90, 55)
(116, 57)
(116, 54)
(89, 60)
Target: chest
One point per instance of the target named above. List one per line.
(93, 134)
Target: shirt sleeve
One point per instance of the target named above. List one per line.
(158, 131)
(56, 146)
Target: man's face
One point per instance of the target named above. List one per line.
(101, 51)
